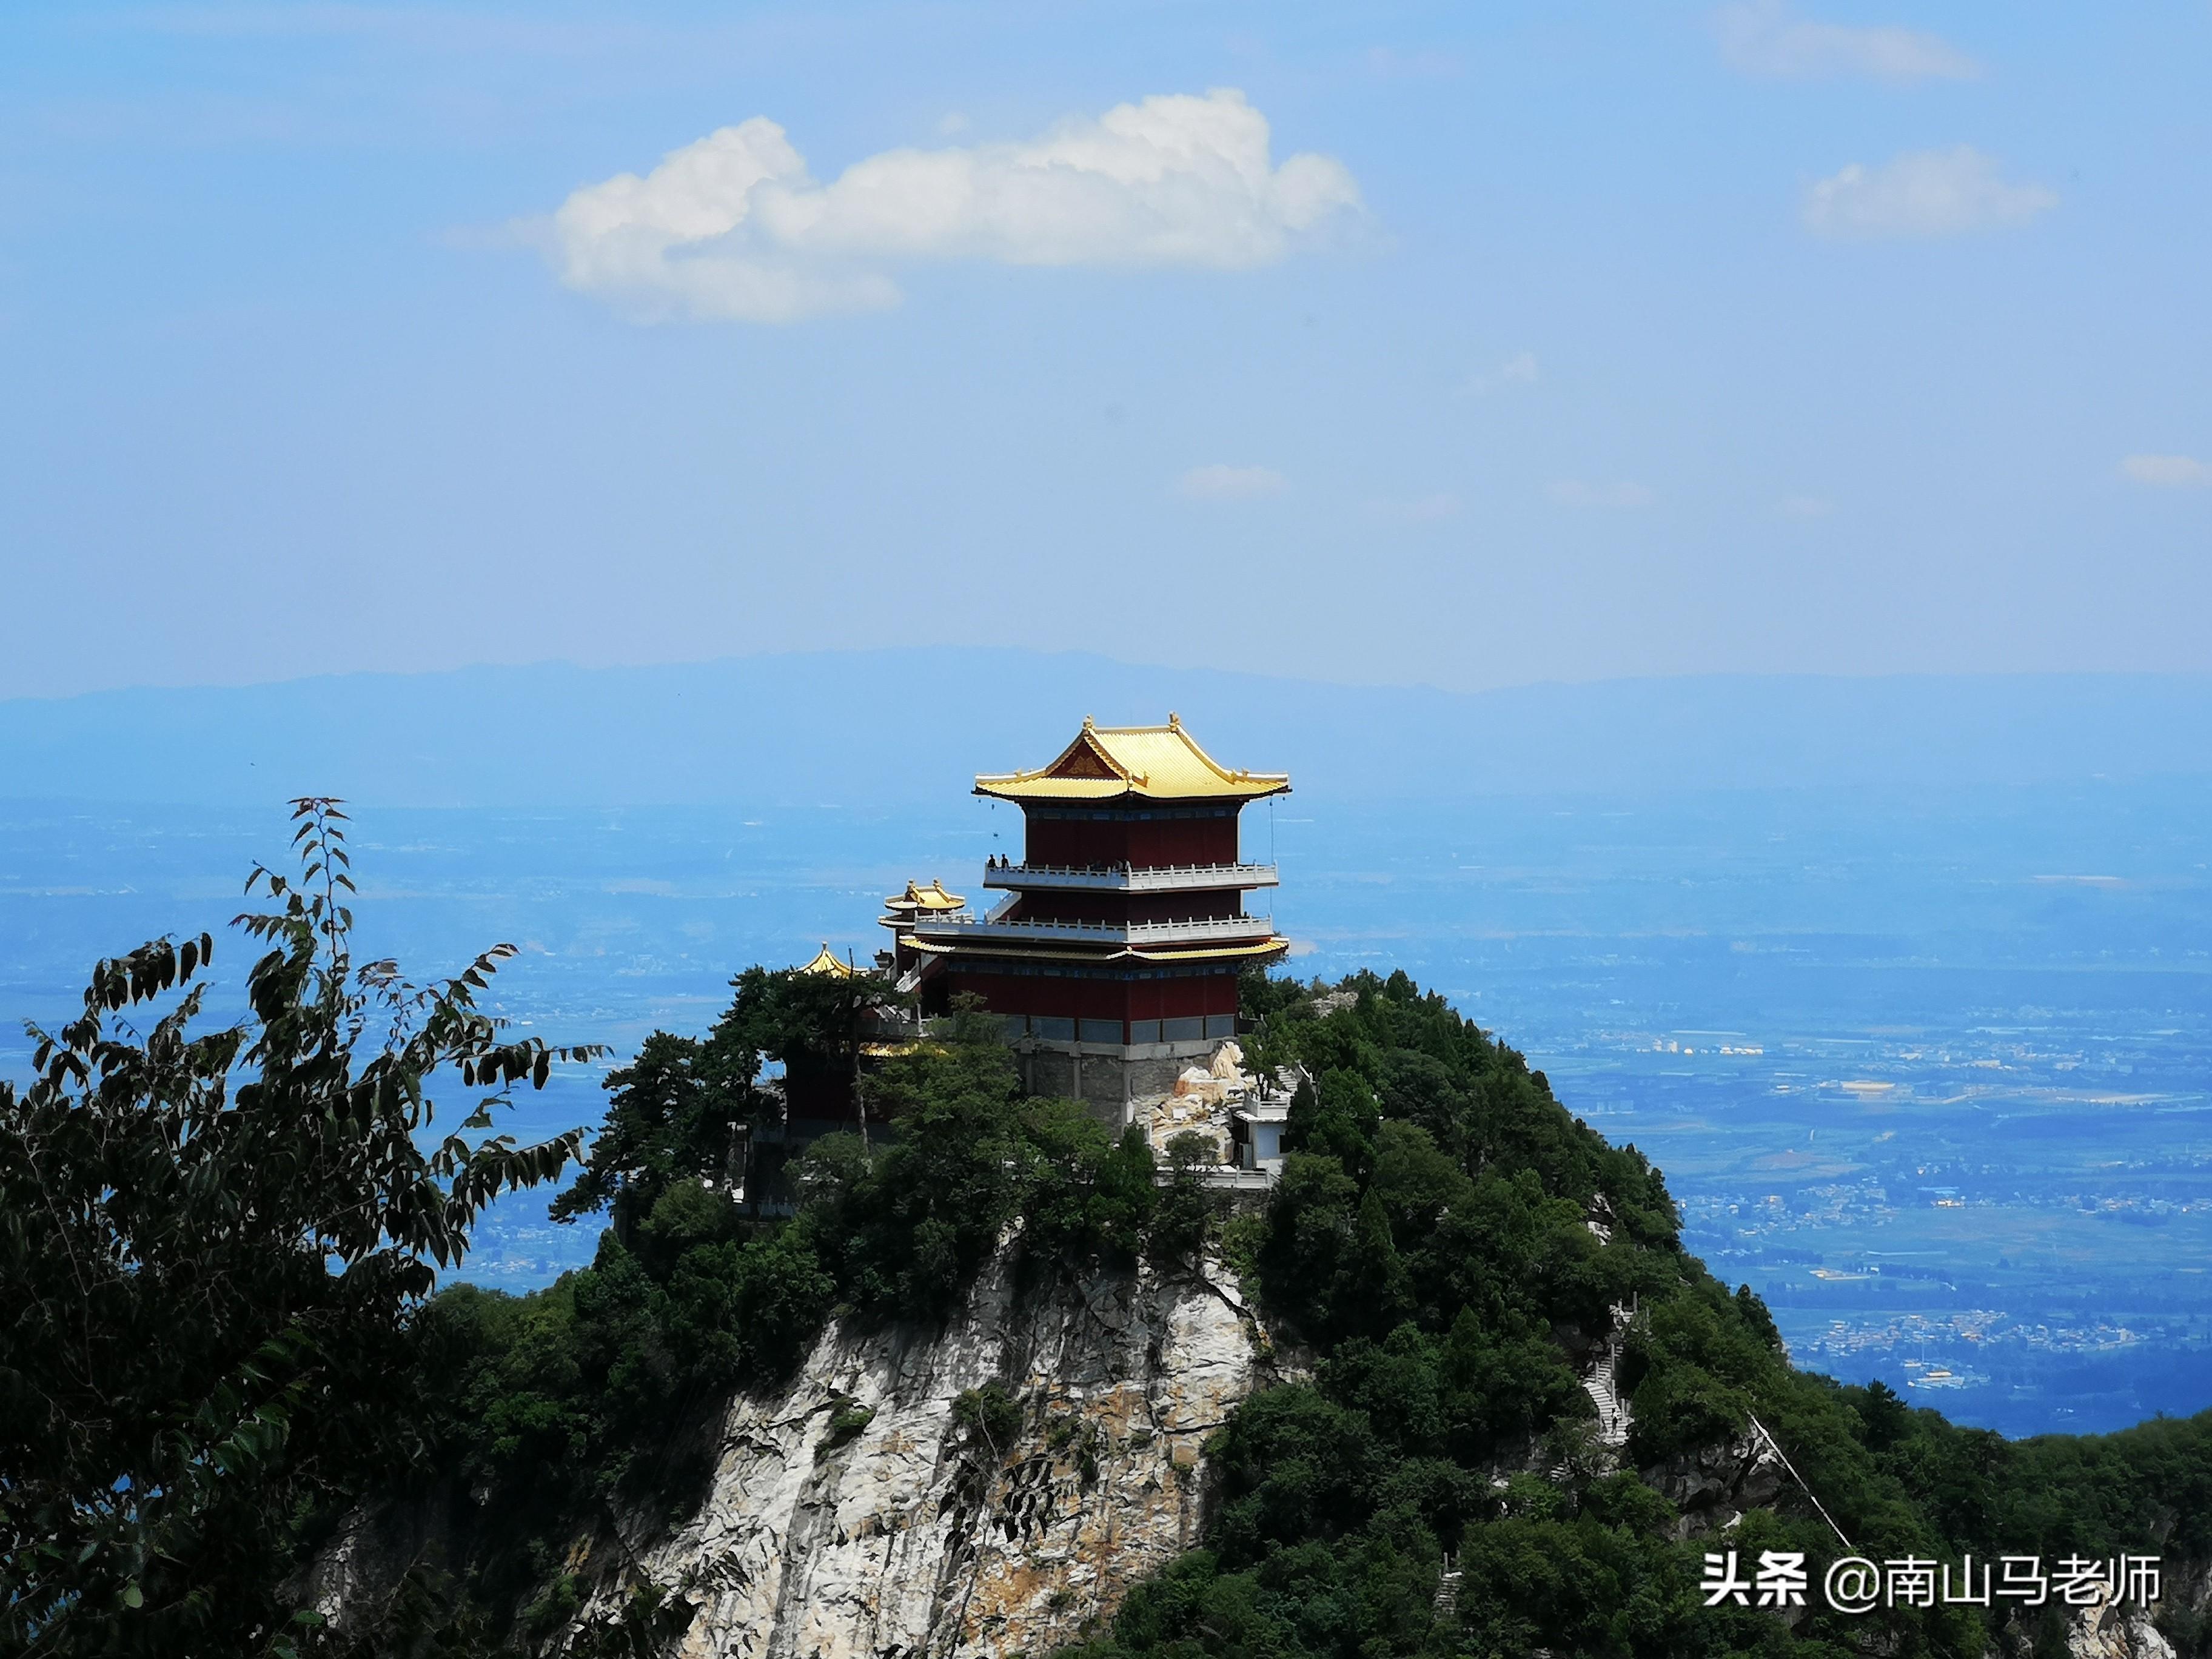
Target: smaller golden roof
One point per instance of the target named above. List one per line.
(826, 962)
(1152, 762)
(932, 900)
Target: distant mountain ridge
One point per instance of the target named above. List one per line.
(891, 727)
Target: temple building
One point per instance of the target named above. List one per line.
(1113, 955)
(826, 960)
(902, 910)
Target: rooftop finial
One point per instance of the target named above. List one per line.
(1086, 722)
(1174, 721)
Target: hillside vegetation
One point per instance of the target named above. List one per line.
(1430, 1237)
(234, 1347)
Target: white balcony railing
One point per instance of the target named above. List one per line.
(1122, 878)
(965, 928)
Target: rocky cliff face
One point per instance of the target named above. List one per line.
(853, 1513)
(857, 1512)
(2110, 1633)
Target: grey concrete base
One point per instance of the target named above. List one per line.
(1107, 1077)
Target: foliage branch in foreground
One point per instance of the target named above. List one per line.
(211, 1242)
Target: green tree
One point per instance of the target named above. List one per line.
(813, 1025)
(1186, 1215)
(680, 1111)
(908, 1226)
(211, 1243)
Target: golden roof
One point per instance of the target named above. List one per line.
(930, 899)
(905, 1046)
(1249, 950)
(826, 963)
(1153, 762)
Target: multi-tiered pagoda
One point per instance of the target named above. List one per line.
(1114, 957)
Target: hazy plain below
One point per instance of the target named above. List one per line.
(1928, 1063)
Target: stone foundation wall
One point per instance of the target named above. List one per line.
(1107, 1079)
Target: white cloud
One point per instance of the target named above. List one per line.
(1573, 492)
(1934, 192)
(2172, 471)
(733, 227)
(1805, 507)
(1763, 38)
(1519, 369)
(1220, 483)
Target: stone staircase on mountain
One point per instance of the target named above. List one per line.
(1602, 1383)
(1444, 1608)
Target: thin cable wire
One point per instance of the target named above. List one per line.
(1775, 1446)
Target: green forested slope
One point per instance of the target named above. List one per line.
(1429, 1241)
(1429, 1237)
(224, 1242)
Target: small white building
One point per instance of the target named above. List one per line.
(1259, 1133)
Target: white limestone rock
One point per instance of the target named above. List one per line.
(2107, 1632)
(904, 1540)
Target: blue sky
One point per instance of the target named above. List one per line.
(1541, 341)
